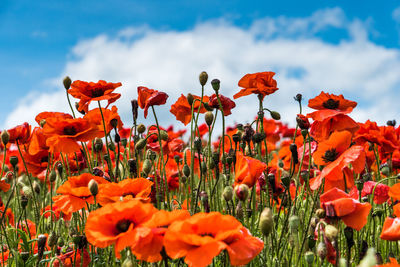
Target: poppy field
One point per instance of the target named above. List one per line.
(85, 188)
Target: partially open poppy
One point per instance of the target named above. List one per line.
(118, 223)
(248, 169)
(183, 111)
(339, 204)
(149, 97)
(331, 101)
(226, 102)
(391, 229)
(260, 83)
(204, 235)
(90, 91)
(20, 133)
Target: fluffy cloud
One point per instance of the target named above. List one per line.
(170, 61)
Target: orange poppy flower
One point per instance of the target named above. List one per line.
(330, 149)
(247, 169)
(393, 263)
(139, 188)
(20, 133)
(396, 210)
(328, 121)
(391, 229)
(331, 101)
(183, 111)
(204, 235)
(63, 134)
(260, 83)
(109, 115)
(118, 223)
(394, 191)
(226, 102)
(43, 116)
(149, 97)
(338, 170)
(90, 91)
(151, 240)
(339, 204)
(74, 193)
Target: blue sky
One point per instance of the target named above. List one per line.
(38, 39)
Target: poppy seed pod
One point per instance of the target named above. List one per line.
(141, 128)
(209, 118)
(331, 232)
(266, 223)
(203, 77)
(93, 187)
(67, 82)
(228, 193)
(242, 192)
(163, 135)
(5, 137)
(215, 84)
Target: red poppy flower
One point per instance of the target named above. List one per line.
(394, 191)
(341, 205)
(63, 134)
(72, 258)
(329, 150)
(118, 223)
(20, 133)
(149, 97)
(260, 83)
(43, 116)
(110, 116)
(340, 169)
(90, 91)
(226, 102)
(302, 122)
(74, 193)
(247, 169)
(391, 229)
(183, 111)
(204, 235)
(393, 263)
(331, 101)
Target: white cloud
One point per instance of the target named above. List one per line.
(170, 61)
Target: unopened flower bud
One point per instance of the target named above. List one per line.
(266, 223)
(298, 97)
(67, 82)
(331, 232)
(228, 193)
(209, 118)
(93, 187)
(151, 155)
(309, 256)
(36, 187)
(203, 77)
(190, 99)
(41, 241)
(52, 239)
(163, 135)
(242, 192)
(215, 84)
(5, 137)
(141, 128)
(146, 166)
(52, 176)
(14, 161)
(140, 144)
(294, 223)
(275, 115)
(197, 144)
(186, 170)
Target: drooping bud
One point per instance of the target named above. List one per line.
(163, 135)
(146, 166)
(114, 123)
(298, 97)
(209, 118)
(67, 82)
(228, 193)
(93, 187)
(5, 137)
(141, 128)
(215, 84)
(242, 192)
(140, 144)
(275, 115)
(266, 223)
(203, 77)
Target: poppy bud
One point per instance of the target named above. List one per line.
(203, 77)
(146, 166)
(209, 118)
(24, 201)
(321, 250)
(391, 123)
(295, 155)
(242, 192)
(215, 84)
(67, 82)
(36, 187)
(309, 256)
(52, 176)
(258, 137)
(190, 99)
(298, 97)
(117, 138)
(52, 239)
(14, 161)
(132, 165)
(360, 184)
(385, 170)
(348, 233)
(197, 144)
(135, 106)
(163, 135)
(320, 213)
(266, 223)
(41, 242)
(140, 144)
(141, 128)
(302, 122)
(114, 123)
(186, 170)
(228, 193)
(239, 210)
(294, 223)
(25, 255)
(151, 155)
(93, 187)
(5, 137)
(111, 146)
(207, 106)
(311, 241)
(331, 232)
(275, 115)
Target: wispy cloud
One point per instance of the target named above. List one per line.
(170, 61)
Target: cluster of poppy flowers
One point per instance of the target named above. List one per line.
(147, 195)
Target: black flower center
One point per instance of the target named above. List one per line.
(69, 130)
(331, 104)
(97, 92)
(330, 155)
(123, 225)
(44, 159)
